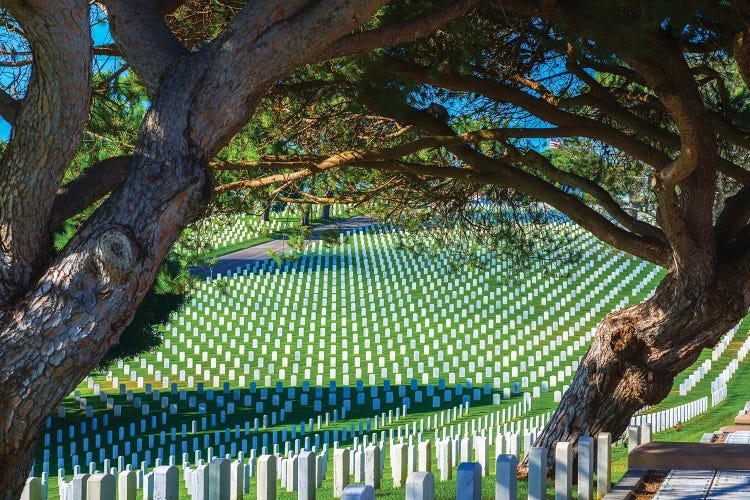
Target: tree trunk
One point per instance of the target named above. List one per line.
(59, 316)
(636, 355)
(305, 220)
(17, 455)
(267, 214)
(326, 212)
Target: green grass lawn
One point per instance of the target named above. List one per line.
(360, 312)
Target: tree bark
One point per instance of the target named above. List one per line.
(637, 353)
(326, 211)
(59, 317)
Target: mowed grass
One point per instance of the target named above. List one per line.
(340, 296)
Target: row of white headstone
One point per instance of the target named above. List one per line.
(257, 425)
(479, 425)
(669, 418)
(174, 366)
(726, 375)
(225, 480)
(312, 431)
(699, 373)
(524, 432)
(425, 374)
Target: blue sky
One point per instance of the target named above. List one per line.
(101, 36)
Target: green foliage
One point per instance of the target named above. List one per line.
(623, 177)
(330, 237)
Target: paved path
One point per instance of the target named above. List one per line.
(681, 484)
(239, 258)
(700, 485)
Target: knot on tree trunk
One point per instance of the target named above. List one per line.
(625, 341)
(116, 253)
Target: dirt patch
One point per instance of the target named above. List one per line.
(720, 438)
(650, 485)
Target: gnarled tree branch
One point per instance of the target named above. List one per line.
(48, 125)
(94, 183)
(392, 35)
(144, 39)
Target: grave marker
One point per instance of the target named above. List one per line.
(586, 468)
(100, 487)
(399, 465)
(563, 471)
(425, 457)
(237, 479)
(341, 471)
(469, 481)
(482, 452)
(166, 482)
(32, 490)
(372, 466)
(219, 479)
(537, 473)
(358, 492)
(505, 477)
(306, 476)
(420, 486)
(266, 477)
(603, 464)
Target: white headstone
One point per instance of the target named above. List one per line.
(425, 457)
(266, 477)
(466, 450)
(306, 481)
(482, 453)
(32, 490)
(100, 487)
(358, 492)
(237, 480)
(420, 486)
(603, 463)
(77, 488)
(537, 473)
(469, 481)
(563, 471)
(200, 482)
(359, 466)
(399, 465)
(372, 466)
(341, 471)
(585, 468)
(505, 477)
(646, 432)
(166, 482)
(220, 477)
(445, 459)
(634, 437)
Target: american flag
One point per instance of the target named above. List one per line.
(555, 143)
